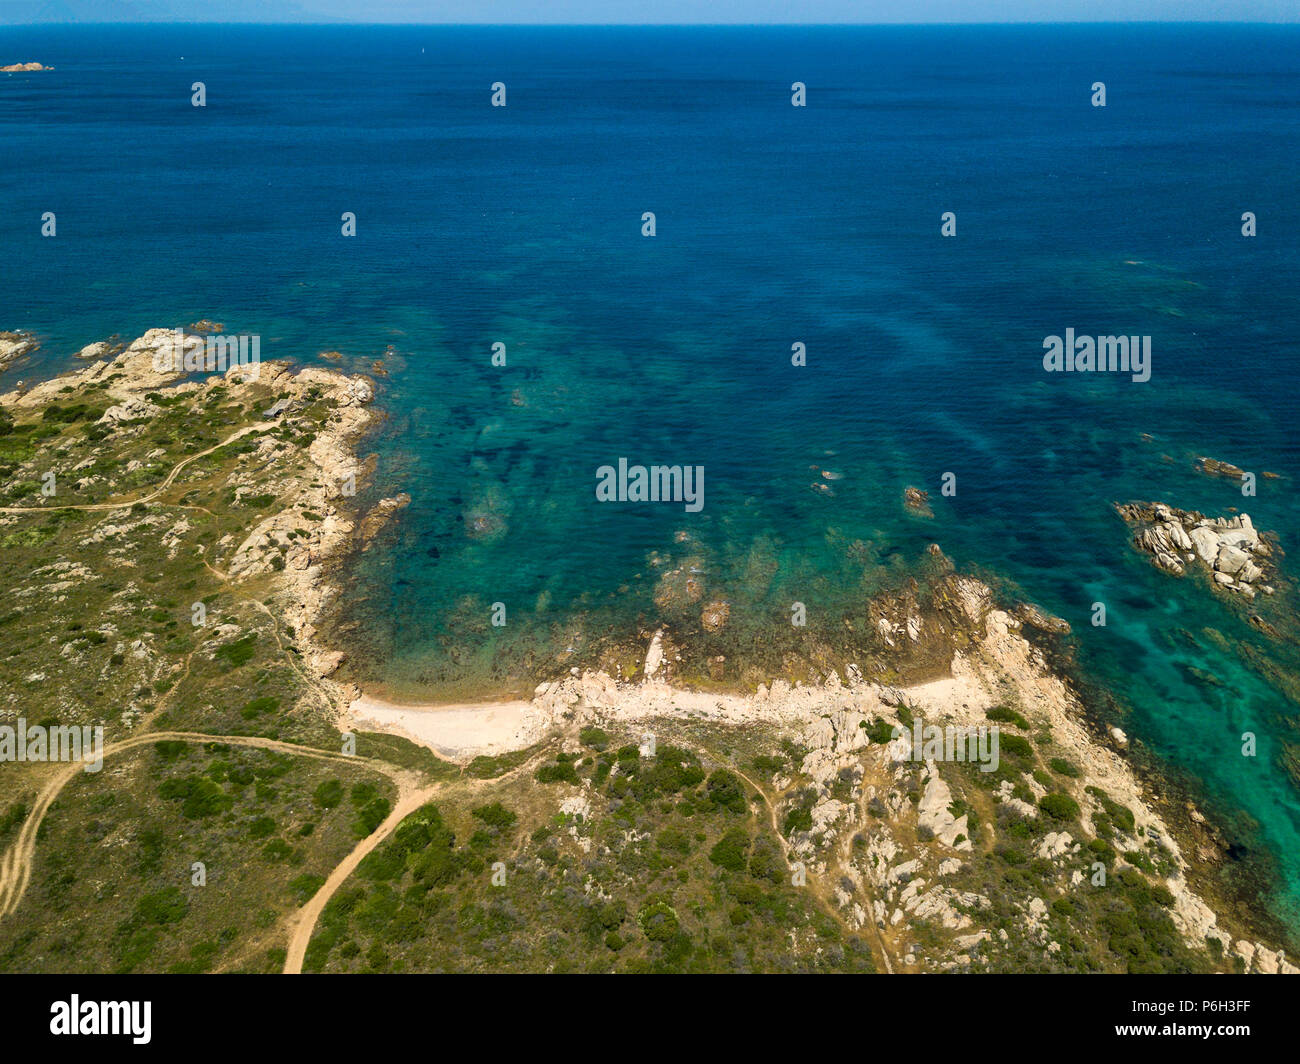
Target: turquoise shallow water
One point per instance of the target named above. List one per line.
(775, 225)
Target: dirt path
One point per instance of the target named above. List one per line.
(303, 923)
(845, 851)
(16, 864)
(171, 477)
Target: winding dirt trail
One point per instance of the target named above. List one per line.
(16, 864)
(303, 923)
(171, 478)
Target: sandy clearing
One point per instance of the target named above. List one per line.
(457, 730)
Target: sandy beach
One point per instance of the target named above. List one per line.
(456, 730)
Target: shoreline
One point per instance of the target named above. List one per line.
(825, 716)
(989, 656)
(453, 730)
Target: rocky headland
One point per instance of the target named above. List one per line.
(901, 861)
(944, 866)
(319, 520)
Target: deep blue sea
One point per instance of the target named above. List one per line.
(819, 225)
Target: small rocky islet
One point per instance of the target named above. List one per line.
(1230, 550)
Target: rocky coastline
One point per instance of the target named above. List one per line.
(303, 543)
(912, 859)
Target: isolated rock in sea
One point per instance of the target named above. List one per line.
(14, 345)
(680, 587)
(1229, 549)
(917, 501)
(19, 68)
(1213, 467)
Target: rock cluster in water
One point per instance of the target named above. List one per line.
(1228, 548)
(1213, 467)
(14, 345)
(917, 502)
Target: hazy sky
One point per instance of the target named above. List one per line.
(643, 11)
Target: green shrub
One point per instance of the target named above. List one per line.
(1015, 745)
(199, 796)
(240, 652)
(766, 861)
(1062, 767)
(1121, 815)
(732, 850)
(166, 906)
(13, 816)
(879, 731)
(495, 815)
(725, 791)
(674, 769)
(258, 706)
(659, 922)
(328, 794)
(68, 414)
(798, 819)
(262, 827)
(1005, 715)
(277, 850)
(370, 816)
(557, 772)
(1059, 806)
(304, 887)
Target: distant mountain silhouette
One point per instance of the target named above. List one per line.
(16, 12)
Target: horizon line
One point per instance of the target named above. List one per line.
(661, 25)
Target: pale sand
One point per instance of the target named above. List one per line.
(465, 729)
(456, 730)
